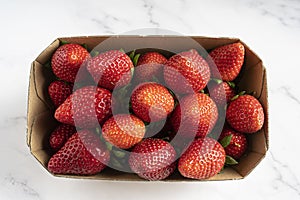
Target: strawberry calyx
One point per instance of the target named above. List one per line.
(230, 160)
(225, 142)
(134, 57)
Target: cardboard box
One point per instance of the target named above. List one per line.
(40, 120)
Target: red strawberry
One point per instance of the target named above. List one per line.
(237, 145)
(86, 107)
(195, 116)
(221, 93)
(83, 154)
(204, 158)
(60, 135)
(245, 114)
(59, 91)
(151, 102)
(67, 60)
(186, 72)
(153, 159)
(111, 69)
(228, 60)
(123, 130)
(149, 65)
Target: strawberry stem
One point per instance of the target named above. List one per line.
(122, 50)
(237, 96)
(218, 81)
(231, 84)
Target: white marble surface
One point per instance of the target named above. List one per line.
(270, 27)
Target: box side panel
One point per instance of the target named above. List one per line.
(248, 163)
(45, 56)
(38, 100)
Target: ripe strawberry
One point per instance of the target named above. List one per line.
(245, 114)
(151, 102)
(153, 159)
(83, 154)
(123, 130)
(111, 69)
(59, 91)
(195, 116)
(204, 158)
(221, 93)
(237, 145)
(86, 107)
(228, 60)
(67, 60)
(60, 135)
(149, 65)
(186, 72)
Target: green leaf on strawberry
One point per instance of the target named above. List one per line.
(226, 140)
(230, 161)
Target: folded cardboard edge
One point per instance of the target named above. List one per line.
(44, 56)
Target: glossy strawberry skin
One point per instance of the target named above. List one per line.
(186, 72)
(238, 143)
(203, 159)
(123, 130)
(245, 114)
(83, 154)
(60, 136)
(151, 102)
(195, 116)
(67, 60)
(221, 93)
(86, 107)
(228, 61)
(59, 92)
(111, 69)
(149, 65)
(152, 159)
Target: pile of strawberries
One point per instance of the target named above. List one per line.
(148, 114)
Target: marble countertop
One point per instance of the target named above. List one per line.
(271, 28)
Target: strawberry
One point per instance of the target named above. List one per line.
(204, 158)
(221, 93)
(60, 135)
(151, 102)
(123, 130)
(228, 60)
(245, 114)
(153, 159)
(149, 65)
(67, 60)
(83, 154)
(195, 116)
(237, 145)
(59, 91)
(86, 107)
(111, 69)
(186, 72)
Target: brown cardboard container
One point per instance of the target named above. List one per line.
(40, 120)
